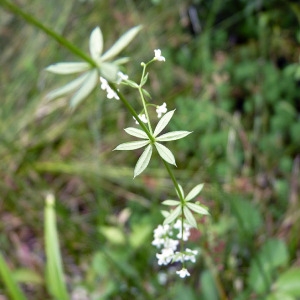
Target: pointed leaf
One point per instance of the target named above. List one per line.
(131, 83)
(163, 122)
(132, 145)
(173, 215)
(96, 43)
(165, 153)
(121, 61)
(86, 88)
(109, 71)
(136, 132)
(68, 88)
(68, 68)
(171, 202)
(194, 192)
(143, 161)
(173, 135)
(197, 208)
(144, 79)
(189, 217)
(146, 93)
(181, 190)
(121, 43)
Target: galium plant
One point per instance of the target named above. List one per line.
(172, 235)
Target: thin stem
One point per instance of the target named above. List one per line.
(133, 112)
(60, 39)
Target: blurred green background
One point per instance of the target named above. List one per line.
(232, 72)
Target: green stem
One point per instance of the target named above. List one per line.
(133, 112)
(60, 39)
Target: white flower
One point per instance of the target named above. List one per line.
(165, 257)
(183, 273)
(110, 92)
(152, 142)
(121, 77)
(142, 117)
(186, 230)
(161, 109)
(158, 56)
(99, 64)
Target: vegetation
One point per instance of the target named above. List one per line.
(232, 72)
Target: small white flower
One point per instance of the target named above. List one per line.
(160, 110)
(121, 77)
(183, 273)
(142, 117)
(186, 230)
(105, 87)
(158, 56)
(165, 257)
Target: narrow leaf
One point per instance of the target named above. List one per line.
(144, 79)
(165, 153)
(181, 190)
(197, 208)
(171, 202)
(121, 43)
(109, 71)
(172, 136)
(173, 215)
(194, 192)
(132, 145)
(136, 132)
(96, 43)
(146, 93)
(143, 161)
(121, 61)
(163, 122)
(189, 217)
(12, 288)
(68, 68)
(68, 88)
(86, 88)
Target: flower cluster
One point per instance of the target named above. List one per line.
(166, 239)
(105, 87)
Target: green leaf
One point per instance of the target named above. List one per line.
(143, 161)
(96, 43)
(289, 282)
(109, 71)
(197, 208)
(68, 88)
(121, 43)
(54, 268)
(173, 215)
(113, 234)
(163, 122)
(194, 192)
(132, 145)
(68, 68)
(181, 190)
(86, 88)
(189, 217)
(172, 136)
(136, 132)
(131, 83)
(272, 255)
(165, 153)
(13, 290)
(144, 79)
(121, 61)
(146, 93)
(171, 202)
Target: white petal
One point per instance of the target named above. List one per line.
(143, 161)
(136, 132)
(163, 122)
(194, 192)
(165, 153)
(69, 87)
(68, 68)
(96, 43)
(132, 145)
(173, 135)
(121, 43)
(86, 88)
